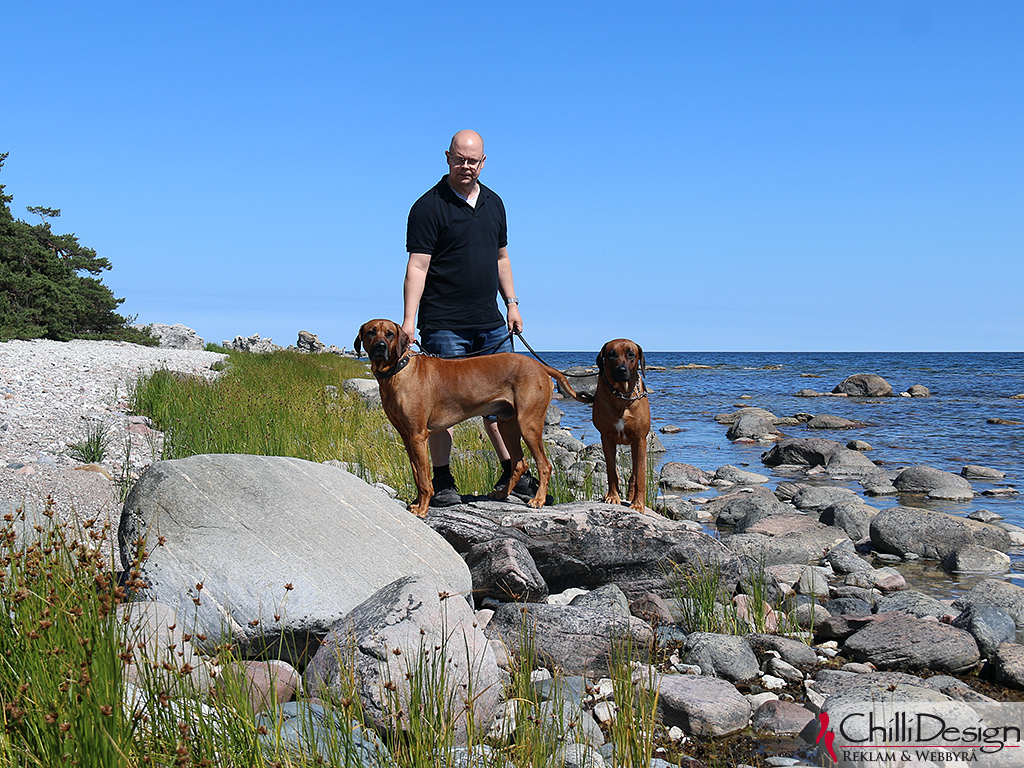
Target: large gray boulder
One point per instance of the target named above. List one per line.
(701, 705)
(579, 640)
(990, 626)
(831, 421)
(269, 552)
(863, 385)
(745, 505)
(753, 426)
(588, 544)
(407, 636)
(786, 538)
(725, 656)
(176, 336)
(902, 641)
(902, 530)
(996, 592)
(934, 483)
(804, 451)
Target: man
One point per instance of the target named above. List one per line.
(458, 262)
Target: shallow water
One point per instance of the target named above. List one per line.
(946, 430)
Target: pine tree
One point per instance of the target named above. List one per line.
(49, 286)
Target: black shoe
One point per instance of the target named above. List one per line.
(525, 489)
(445, 497)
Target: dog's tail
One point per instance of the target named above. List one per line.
(564, 385)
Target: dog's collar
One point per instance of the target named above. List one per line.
(382, 375)
(630, 395)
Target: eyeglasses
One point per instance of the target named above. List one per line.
(457, 161)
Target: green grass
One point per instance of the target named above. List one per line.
(93, 448)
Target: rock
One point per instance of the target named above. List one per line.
(816, 498)
(800, 655)
(786, 538)
(902, 641)
(919, 390)
(410, 625)
(990, 626)
(675, 508)
(984, 516)
(913, 602)
(976, 472)
(675, 475)
(1003, 422)
(878, 483)
(309, 343)
(883, 579)
(902, 530)
(1001, 594)
(268, 683)
(159, 636)
(365, 389)
(853, 516)
(701, 706)
(670, 429)
(588, 544)
(752, 426)
(973, 558)
(305, 728)
(802, 451)
(732, 418)
(253, 344)
(1008, 664)
(503, 568)
(781, 718)
(748, 504)
(725, 656)
(859, 445)
(828, 421)
(849, 463)
(175, 336)
(863, 385)
(934, 483)
(575, 639)
(847, 606)
(731, 474)
(844, 559)
(607, 599)
(236, 543)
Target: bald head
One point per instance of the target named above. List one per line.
(467, 143)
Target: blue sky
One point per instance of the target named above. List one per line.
(697, 176)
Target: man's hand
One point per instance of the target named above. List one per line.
(515, 320)
(409, 329)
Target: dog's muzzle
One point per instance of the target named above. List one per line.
(620, 373)
(378, 350)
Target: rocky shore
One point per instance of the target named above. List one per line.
(811, 618)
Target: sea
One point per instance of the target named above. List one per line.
(947, 430)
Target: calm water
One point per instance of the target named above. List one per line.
(946, 430)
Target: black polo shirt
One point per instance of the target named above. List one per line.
(463, 243)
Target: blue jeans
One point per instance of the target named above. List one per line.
(462, 343)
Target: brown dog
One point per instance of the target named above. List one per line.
(622, 414)
(423, 394)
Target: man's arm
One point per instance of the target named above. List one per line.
(412, 291)
(508, 290)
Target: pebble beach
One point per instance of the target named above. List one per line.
(52, 394)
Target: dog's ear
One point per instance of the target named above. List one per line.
(600, 356)
(643, 362)
(403, 341)
(357, 345)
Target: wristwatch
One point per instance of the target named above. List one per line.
(511, 300)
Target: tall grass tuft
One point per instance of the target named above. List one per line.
(93, 448)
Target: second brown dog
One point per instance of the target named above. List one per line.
(622, 414)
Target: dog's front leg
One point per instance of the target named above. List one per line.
(419, 457)
(638, 479)
(612, 496)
